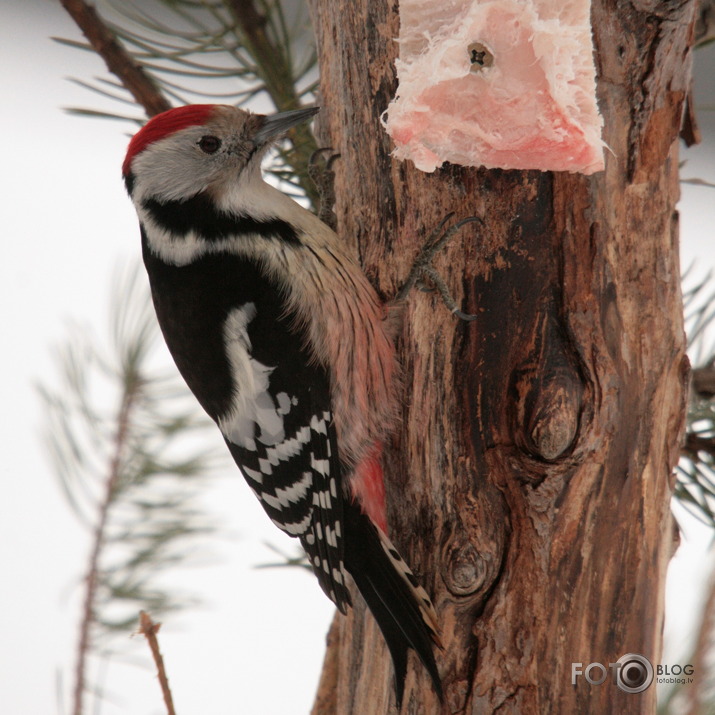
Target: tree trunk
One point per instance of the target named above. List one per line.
(529, 482)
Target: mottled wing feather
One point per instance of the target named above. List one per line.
(246, 360)
(298, 485)
(324, 542)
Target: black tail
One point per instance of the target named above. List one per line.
(399, 604)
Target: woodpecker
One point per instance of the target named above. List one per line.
(285, 344)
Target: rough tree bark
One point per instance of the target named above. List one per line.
(529, 483)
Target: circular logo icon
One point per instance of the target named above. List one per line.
(635, 673)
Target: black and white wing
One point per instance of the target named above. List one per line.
(247, 363)
(298, 482)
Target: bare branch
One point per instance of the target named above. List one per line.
(149, 629)
(119, 62)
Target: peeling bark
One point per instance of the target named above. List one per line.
(530, 479)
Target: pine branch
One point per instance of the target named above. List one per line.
(695, 485)
(275, 69)
(272, 62)
(92, 580)
(131, 475)
(119, 62)
(257, 42)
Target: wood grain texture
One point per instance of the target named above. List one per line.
(529, 482)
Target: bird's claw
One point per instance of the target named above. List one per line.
(423, 271)
(324, 179)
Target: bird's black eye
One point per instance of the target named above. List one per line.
(209, 144)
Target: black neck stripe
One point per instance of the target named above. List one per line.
(199, 214)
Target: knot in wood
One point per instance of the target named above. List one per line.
(548, 391)
(554, 420)
(465, 571)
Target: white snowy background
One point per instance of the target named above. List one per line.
(256, 645)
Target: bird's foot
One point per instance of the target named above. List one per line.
(322, 175)
(423, 274)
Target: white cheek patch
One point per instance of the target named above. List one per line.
(254, 413)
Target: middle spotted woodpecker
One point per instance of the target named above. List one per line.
(285, 344)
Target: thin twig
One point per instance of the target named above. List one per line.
(119, 62)
(149, 629)
(92, 579)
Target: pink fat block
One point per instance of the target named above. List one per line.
(497, 83)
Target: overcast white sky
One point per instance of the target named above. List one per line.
(259, 646)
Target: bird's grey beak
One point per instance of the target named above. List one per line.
(276, 124)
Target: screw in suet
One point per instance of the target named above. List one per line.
(480, 57)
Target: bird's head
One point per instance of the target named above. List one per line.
(201, 148)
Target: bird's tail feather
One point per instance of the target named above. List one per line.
(401, 607)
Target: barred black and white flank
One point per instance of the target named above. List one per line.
(285, 344)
